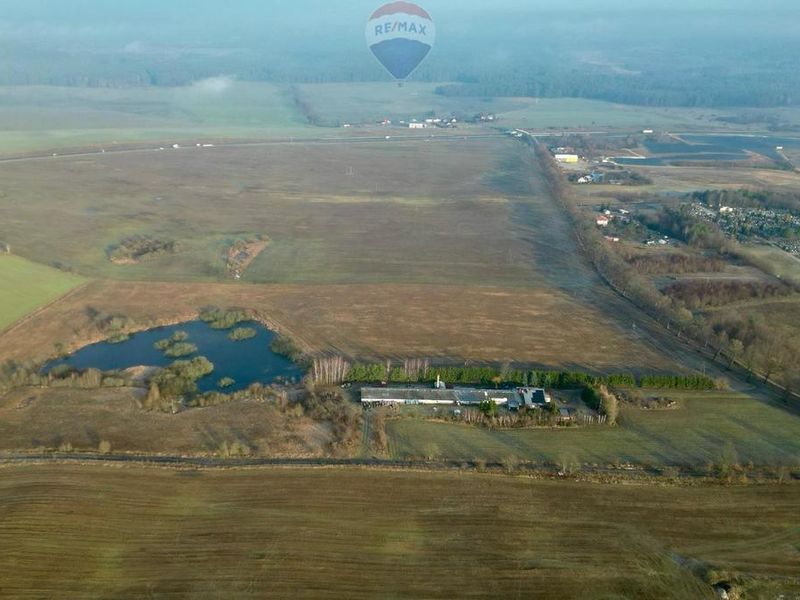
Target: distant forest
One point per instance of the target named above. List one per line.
(646, 57)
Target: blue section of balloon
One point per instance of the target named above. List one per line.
(400, 56)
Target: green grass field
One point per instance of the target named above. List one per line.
(45, 118)
(26, 286)
(96, 532)
(693, 434)
(370, 102)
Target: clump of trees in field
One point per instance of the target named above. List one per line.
(676, 263)
(140, 247)
(697, 294)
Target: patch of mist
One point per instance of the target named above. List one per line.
(213, 86)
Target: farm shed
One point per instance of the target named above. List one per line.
(514, 399)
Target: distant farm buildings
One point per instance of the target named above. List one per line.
(602, 220)
(566, 158)
(439, 395)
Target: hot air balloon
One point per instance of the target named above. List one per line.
(400, 35)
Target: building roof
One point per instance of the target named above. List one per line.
(429, 395)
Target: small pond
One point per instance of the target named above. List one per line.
(246, 362)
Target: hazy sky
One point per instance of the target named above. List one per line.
(92, 10)
(636, 34)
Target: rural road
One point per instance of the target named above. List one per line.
(209, 462)
(625, 471)
(193, 146)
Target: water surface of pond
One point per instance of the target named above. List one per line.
(246, 362)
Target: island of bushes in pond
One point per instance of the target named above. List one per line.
(242, 333)
(176, 346)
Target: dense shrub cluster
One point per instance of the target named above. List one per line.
(242, 333)
(703, 293)
(222, 319)
(671, 263)
(179, 380)
(141, 247)
(14, 374)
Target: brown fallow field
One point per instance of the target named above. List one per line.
(133, 532)
(441, 249)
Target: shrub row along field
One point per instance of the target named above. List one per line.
(378, 372)
(136, 532)
(694, 433)
(26, 286)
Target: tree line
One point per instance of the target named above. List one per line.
(385, 372)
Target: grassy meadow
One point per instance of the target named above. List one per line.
(367, 321)
(336, 104)
(406, 212)
(446, 249)
(32, 418)
(695, 433)
(26, 286)
(49, 118)
(42, 118)
(136, 532)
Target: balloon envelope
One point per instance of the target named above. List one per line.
(400, 35)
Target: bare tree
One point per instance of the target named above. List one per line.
(329, 370)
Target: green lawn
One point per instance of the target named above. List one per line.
(26, 286)
(694, 433)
